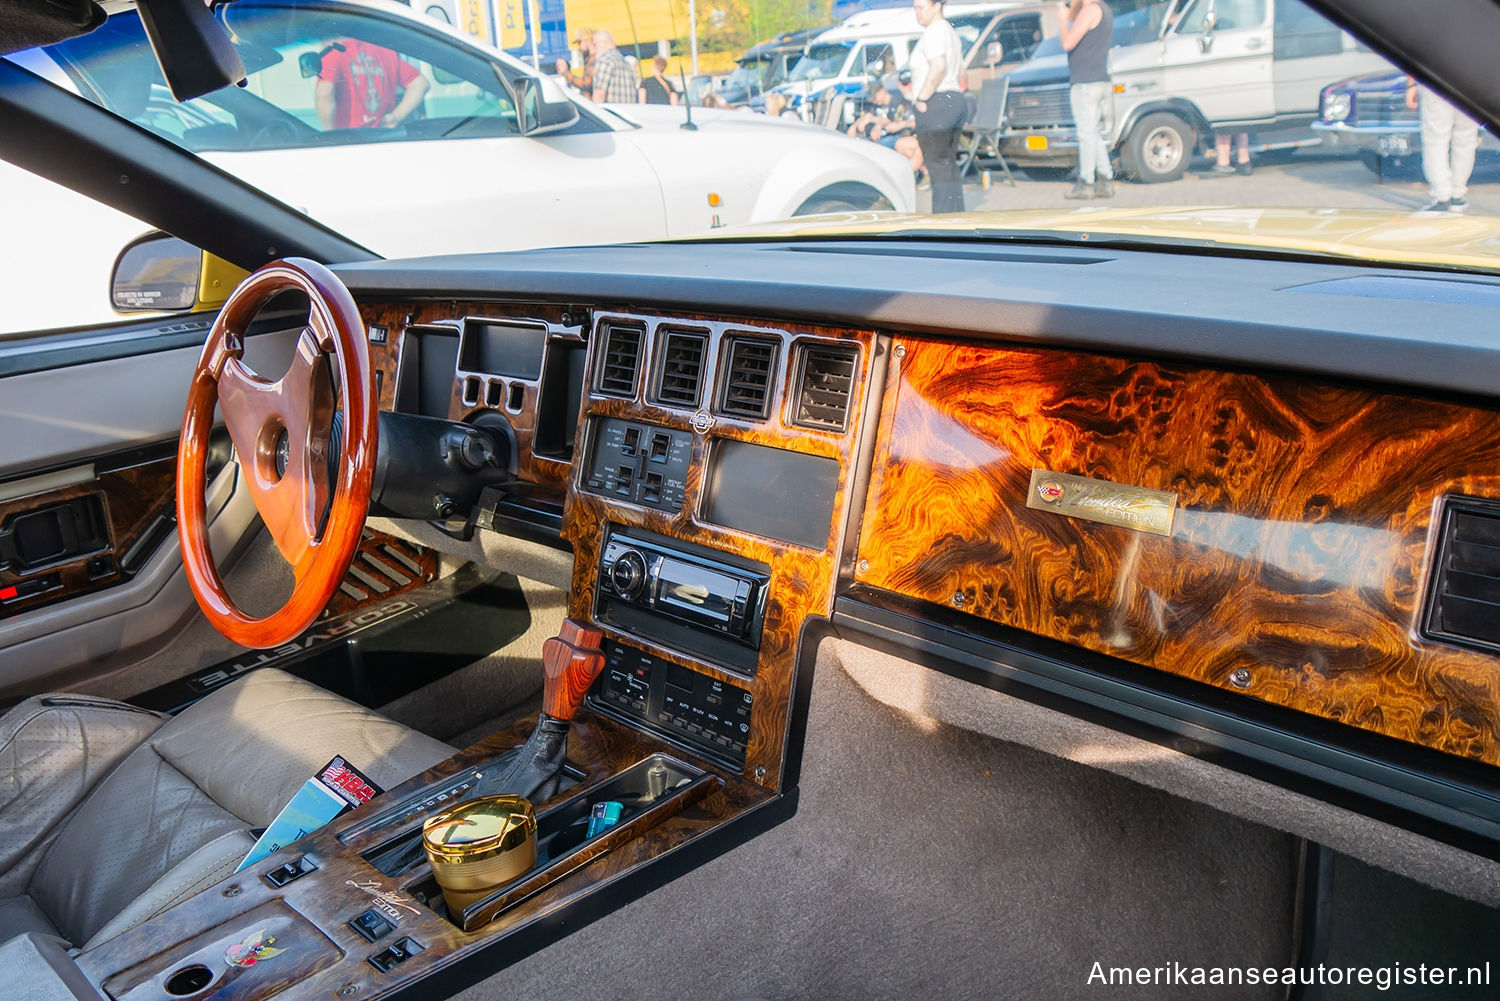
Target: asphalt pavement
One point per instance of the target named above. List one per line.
(1303, 179)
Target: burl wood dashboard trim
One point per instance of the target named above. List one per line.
(801, 578)
(474, 393)
(1298, 554)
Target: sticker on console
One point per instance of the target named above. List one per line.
(1135, 508)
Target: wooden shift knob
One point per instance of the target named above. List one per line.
(571, 661)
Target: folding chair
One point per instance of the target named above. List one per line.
(981, 137)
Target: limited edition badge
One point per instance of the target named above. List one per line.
(1136, 508)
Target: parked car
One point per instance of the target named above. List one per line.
(1368, 115)
(585, 173)
(765, 66)
(1181, 71)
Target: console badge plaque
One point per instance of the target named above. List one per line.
(1120, 504)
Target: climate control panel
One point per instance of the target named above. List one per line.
(706, 714)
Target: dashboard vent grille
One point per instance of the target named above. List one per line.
(1463, 604)
(824, 386)
(749, 374)
(622, 360)
(681, 375)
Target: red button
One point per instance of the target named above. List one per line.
(7, 593)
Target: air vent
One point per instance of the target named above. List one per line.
(825, 382)
(681, 374)
(622, 360)
(750, 370)
(1463, 603)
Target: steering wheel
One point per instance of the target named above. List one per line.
(282, 431)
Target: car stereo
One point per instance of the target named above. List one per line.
(696, 599)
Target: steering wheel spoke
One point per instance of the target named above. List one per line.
(281, 431)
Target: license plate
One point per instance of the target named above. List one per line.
(1396, 145)
(1036, 142)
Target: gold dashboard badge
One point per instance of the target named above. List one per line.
(1100, 500)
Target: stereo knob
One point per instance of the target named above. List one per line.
(628, 574)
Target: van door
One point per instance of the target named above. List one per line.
(1218, 56)
(1310, 53)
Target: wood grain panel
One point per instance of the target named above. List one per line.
(802, 579)
(384, 567)
(345, 884)
(134, 497)
(1296, 562)
(397, 317)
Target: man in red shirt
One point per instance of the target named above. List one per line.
(358, 83)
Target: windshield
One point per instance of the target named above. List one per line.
(821, 61)
(1247, 122)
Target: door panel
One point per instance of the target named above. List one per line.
(71, 430)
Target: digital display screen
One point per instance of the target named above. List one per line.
(787, 496)
(436, 363)
(509, 349)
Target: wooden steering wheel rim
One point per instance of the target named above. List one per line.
(267, 429)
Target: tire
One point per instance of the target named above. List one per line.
(844, 197)
(1159, 148)
(1047, 173)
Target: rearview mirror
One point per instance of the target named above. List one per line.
(544, 107)
(163, 274)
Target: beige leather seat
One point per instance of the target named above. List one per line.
(110, 814)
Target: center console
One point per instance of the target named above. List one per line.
(700, 471)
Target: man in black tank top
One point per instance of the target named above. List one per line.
(1086, 29)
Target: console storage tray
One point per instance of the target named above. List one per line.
(649, 792)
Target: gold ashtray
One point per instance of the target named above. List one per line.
(478, 846)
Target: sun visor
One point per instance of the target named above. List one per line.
(191, 46)
(24, 24)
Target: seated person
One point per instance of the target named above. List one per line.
(358, 84)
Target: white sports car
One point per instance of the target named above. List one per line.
(524, 163)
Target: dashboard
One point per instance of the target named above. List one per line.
(1261, 531)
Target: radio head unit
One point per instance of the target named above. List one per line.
(701, 601)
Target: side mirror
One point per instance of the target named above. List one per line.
(993, 53)
(1206, 40)
(544, 107)
(162, 274)
(875, 69)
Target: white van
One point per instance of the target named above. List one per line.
(1181, 71)
(871, 43)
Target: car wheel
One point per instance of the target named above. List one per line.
(1158, 148)
(844, 198)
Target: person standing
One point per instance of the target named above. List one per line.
(1449, 138)
(583, 77)
(656, 88)
(935, 64)
(362, 86)
(1087, 26)
(614, 83)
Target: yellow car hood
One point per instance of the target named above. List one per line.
(1427, 238)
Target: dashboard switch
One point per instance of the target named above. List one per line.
(293, 870)
(395, 954)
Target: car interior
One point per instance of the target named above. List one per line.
(938, 617)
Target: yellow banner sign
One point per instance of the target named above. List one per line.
(512, 23)
(474, 19)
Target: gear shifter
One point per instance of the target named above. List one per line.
(571, 661)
